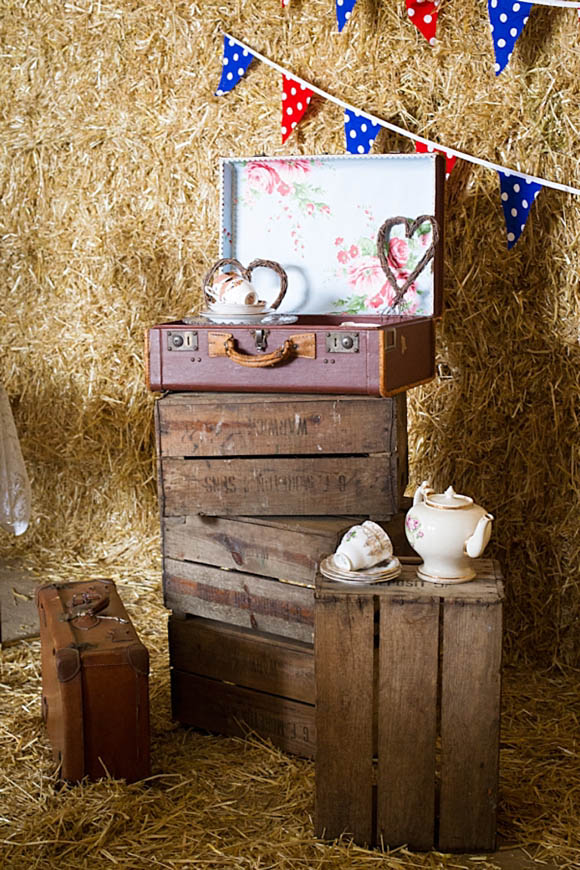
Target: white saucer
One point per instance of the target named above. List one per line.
(230, 308)
(267, 316)
(223, 317)
(376, 574)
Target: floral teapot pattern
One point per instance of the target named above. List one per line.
(447, 530)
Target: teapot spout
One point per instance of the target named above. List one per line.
(476, 544)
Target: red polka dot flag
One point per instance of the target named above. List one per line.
(295, 100)
(423, 14)
(450, 159)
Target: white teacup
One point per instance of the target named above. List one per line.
(232, 289)
(362, 547)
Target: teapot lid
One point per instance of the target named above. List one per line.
(448, 500)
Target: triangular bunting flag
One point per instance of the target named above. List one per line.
(517, 196)
(450, 160)
(295, 100)
(506, 22)
(423, 14)
(236, 61)
(360, 133)
(344, 11)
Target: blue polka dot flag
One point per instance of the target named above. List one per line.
(506, 21)
(236, 61)
(360, 133)
(517, 196)
(344, 11)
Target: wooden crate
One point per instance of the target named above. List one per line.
(231, 681)
(243, 454)
(241, 645)
(254, 572)
(254, 490)
(408, 711)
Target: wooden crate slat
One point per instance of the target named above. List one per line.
(250, 659)
(232, 711)
(272, 550)
(283, 547)
(344, 654)
(470, 705)
(407, 722)
(268, 485)
(226, 425)
(240, 599)
(484, 589)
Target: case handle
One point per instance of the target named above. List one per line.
(224, 344)
(259, 361)
(84, 607)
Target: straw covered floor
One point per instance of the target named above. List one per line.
(216, 802)
(110, 135)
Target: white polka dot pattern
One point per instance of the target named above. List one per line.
(234, 65)
(360, 132)
(506, 21)
(517, 195)
(423, 14)
(343, 12)
(295, 101)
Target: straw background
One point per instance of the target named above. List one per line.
(109, 135)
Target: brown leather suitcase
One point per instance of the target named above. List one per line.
(95, 696)
(364, 355)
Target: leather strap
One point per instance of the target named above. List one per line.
(224, 344)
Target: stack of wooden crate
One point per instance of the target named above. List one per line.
(254, 489)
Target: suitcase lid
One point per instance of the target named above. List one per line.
(319, 216)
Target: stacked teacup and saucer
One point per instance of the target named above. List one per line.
(364, 555)
(230, 297)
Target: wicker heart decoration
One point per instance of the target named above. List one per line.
(246, 272)
(383, 239)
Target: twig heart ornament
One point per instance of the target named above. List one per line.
(383, 240)
(246, 273)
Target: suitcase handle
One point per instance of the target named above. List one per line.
(224, 344)
(247, 274)
(280, 355)
(86, 609)
(383, 238)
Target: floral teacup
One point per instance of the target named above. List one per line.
(362, 547)
(232, 289)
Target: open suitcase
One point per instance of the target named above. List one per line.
(322, 220)
(95, 694)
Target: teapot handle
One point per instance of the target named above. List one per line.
(422, 492)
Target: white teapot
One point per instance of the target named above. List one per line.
(446, 530)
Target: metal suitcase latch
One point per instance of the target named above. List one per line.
(261, 338)
(342, 342)
(185, 339)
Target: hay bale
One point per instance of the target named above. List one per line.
(110, 136)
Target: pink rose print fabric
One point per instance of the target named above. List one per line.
(295, 100)
(423, 14)
(359, 264)
(288, 183)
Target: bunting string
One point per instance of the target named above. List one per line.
(565, 4)
(379, 122)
